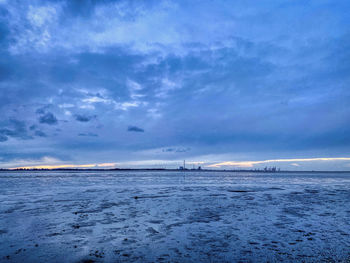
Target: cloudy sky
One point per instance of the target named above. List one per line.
(149, 83)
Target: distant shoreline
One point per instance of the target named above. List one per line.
(163, 169)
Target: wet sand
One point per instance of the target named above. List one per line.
(174, 217)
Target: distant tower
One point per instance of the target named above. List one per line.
(184, 164)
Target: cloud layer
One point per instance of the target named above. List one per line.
(224, 80)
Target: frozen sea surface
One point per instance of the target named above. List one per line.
(174, 217)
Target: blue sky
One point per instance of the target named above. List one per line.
(150, 83)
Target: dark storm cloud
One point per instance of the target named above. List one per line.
(135, 129)
(15, 129)
(33, 127)
(48, 118)
(40, 133)
(84, 118)
(41, 110)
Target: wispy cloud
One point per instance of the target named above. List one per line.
(252, 163)
(91, 134)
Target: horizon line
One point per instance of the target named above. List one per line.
(238, 164)
(262, 170)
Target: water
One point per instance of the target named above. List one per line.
(174, 216)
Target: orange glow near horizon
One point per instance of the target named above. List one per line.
(66, 166)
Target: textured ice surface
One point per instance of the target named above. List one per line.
(174, 217)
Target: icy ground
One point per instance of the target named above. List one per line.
(174, 217)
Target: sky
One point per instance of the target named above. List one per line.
(221, 84)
